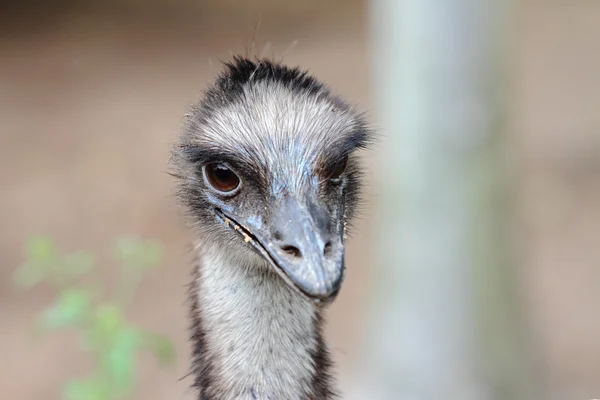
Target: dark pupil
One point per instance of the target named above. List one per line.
(223, 174)
(223, 178)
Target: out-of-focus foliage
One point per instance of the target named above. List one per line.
(97, 315)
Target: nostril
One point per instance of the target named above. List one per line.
(277, 235)
(327, 248)
(292, 250)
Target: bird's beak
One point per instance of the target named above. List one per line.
(302, 244)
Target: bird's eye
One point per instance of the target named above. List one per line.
(338, 169)
(221, 177)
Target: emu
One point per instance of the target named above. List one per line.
(269, 179)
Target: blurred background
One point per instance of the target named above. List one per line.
(92, 95)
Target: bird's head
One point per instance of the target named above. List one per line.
(268, 170)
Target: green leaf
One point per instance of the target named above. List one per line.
(108, 319)
(138, 253)
(126, 248)
(119, 361)
(161, 347)
(86, 389)
(27, 276)
(150, 255)
(41, 259)
(106, 333)
(45, 263)
(41, 249)
(78, 263)
(72, 307)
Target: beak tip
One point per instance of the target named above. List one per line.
(319, 290)
(328, 298)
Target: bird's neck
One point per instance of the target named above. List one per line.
(254, 338)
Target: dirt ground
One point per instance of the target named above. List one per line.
(91, 100)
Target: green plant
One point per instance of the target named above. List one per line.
(97, 315)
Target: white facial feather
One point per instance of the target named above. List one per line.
(287, 129)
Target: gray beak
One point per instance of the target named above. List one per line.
(301, 244)
(306, 248)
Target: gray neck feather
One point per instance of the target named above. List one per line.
(254, 337)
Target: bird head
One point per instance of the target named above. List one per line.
(267, 169)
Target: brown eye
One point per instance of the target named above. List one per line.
(338, 169)
(221, 178)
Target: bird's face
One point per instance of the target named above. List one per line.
(273, 175)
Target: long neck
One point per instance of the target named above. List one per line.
(254, 338)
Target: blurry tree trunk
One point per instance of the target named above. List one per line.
(445, 322)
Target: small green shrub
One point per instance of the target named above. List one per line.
(96, 314)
